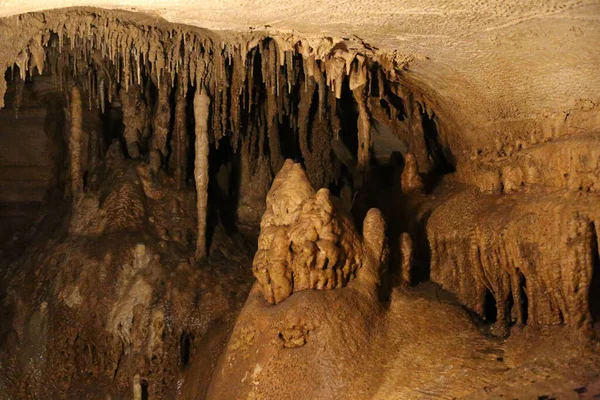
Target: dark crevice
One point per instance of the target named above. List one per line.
(524, 300)
(185, 349)
(490, 311)
(444, 162)
(144, 385)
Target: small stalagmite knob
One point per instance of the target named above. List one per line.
(406, 254)
(411, 179)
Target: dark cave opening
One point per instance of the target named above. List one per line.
(348, 114)
(185, 343)
(490, 311)
(524, 306)
(144, 385)
(443, 160)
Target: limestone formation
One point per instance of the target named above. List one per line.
(180, 139)
(307, 239)
(135, 165)
(411, 179)
(364, 130)
(201, 110)
(162, 118)
(503, 261)
(407, 256)
(134, 117)
(75, 144)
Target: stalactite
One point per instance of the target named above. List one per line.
(237, 82)
(38, 54)
(162, 119)
(19, 86)
(75, 143)
(201, 114)
(417, 136)
(180, 138)
(270, 69)
(304, 106)
(134, 118)
(364, 129)
(116, 60)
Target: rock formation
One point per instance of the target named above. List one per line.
(308, 241)
(134, 117)
(201, 110)
(75, 144)
(411, 180)
(407, 256)
(534, 275)
(145, 161)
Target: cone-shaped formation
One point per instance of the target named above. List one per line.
(308, 241)
(411, 179)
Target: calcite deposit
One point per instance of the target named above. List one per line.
(308, 240)
(350, 200)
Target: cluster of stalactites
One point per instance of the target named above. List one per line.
(123, 53)
(256, 84)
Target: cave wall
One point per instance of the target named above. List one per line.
(31, 126)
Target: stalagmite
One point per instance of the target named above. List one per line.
(406, 252)
(201, 114)
(137, 387)
(309, 242)
(364, 129)
(411, 180)
(75, 143)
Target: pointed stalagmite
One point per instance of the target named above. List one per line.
(411, 180)
(406, 252)
(75, 143)
(201, 110)
(137, 387)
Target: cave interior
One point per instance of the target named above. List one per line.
(190, 214)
